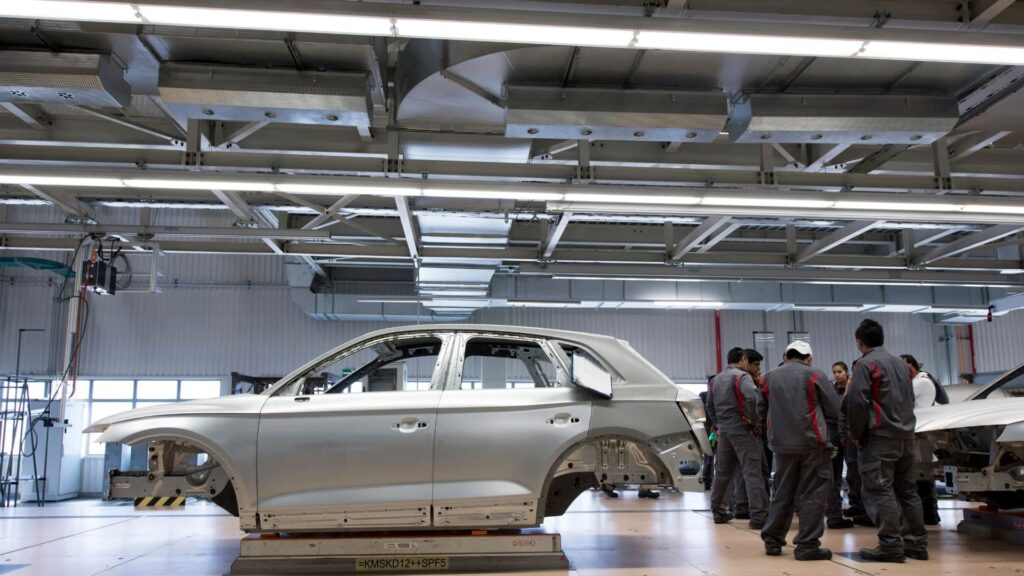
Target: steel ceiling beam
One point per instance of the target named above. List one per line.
(233, 200)
(408, 227)
(974, 143)
(878, 158)
(821, 161)
(983, 17)
(719, 236)
(327, 214)
(173, 139)
(848, 232)
(64, 201)
(975, 240)
(244, 132)
(29, 114)
(555, 234)
(698, 235)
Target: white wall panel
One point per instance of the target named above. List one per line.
(999, 345)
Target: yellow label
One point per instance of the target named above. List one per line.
(401, 563)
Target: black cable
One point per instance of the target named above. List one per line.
(74, 257)
(72, 361)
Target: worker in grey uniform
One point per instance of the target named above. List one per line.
(881, 415)
(801, 400)
(736, 408)
(740, 505)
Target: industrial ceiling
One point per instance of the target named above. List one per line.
(462, 146)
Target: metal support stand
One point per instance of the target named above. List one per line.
(392, 553)
(1005, 526)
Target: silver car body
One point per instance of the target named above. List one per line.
(977, 445)
(433, 458)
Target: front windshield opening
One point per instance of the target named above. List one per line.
(386, 365)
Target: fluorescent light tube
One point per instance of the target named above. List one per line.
(492, 194)
(60, 181)
(746, 43)
(625, 278)
(344, 190)
(629, 198)
(995, 209)
(388, 301)
(688, 304)
(935, 52)
(265, 20)
(766, 202)
(519, 33)
(55, 10)
(199, 185)
(906, 206)
(828, 308)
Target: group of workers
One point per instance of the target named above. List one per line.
(811, 426)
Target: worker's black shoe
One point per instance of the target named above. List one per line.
(647, 493)
(863, 521)
(881, 555)
(840, 524)
(742, 516)
(772, 550)
(813, 554)
(916, 553)
(756, 524)
(850, 512)
(932, 520)
(722, 518)
(609, 492)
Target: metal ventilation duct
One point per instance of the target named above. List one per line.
(74, 79)
(607, 114)
(248, 95)
(832, 119)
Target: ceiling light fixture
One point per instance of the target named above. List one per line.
(959, 47)
(687, 304)
(499, 194)
(765, 202)
(630, 198)
(907, 206)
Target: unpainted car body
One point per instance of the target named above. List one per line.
(976, 446)
(572, 410)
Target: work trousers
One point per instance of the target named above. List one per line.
(802, 483)
(834, 512)
(853, 480)
(741, 504)
(890, 496)
(739, 452)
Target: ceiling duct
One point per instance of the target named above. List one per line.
(258, 95)
(834, 119)
(73, 79)
(611, 114)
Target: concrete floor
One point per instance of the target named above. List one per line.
(672, 536)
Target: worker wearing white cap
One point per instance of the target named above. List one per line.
(800, 400)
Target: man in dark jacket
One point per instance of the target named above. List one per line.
(741, 507)
(834, 512)
(737, 409)
(881, 416)
(801, 401)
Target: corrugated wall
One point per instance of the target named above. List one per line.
(999, 345)
(210, 331)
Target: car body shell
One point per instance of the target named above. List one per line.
(438, 458)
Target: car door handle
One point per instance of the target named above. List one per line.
(302, 398)
(409, 425)
(562, 419)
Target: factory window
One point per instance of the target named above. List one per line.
(108, 397)
(38, 389)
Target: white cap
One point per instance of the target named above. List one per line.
(800, 346)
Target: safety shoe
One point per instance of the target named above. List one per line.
(916, 553)
(772, 550)
(756, 524)
(649, 494)
(722, 518)
(742, 516)
(840, 524)
(813, 554)
(863, 521)
(879, 554)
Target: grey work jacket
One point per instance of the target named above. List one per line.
(734, 402)
(801, 401)
(881, 397)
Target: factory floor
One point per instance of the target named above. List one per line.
(601, 537)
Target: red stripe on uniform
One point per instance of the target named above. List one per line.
(876, 384)
(739, 399)
(811, 405)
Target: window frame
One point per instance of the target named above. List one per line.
(437, 378)
(454, 381)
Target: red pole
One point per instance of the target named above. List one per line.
(970, 340)
(718, 340)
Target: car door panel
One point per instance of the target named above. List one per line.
(495, 447)
(347, 460)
